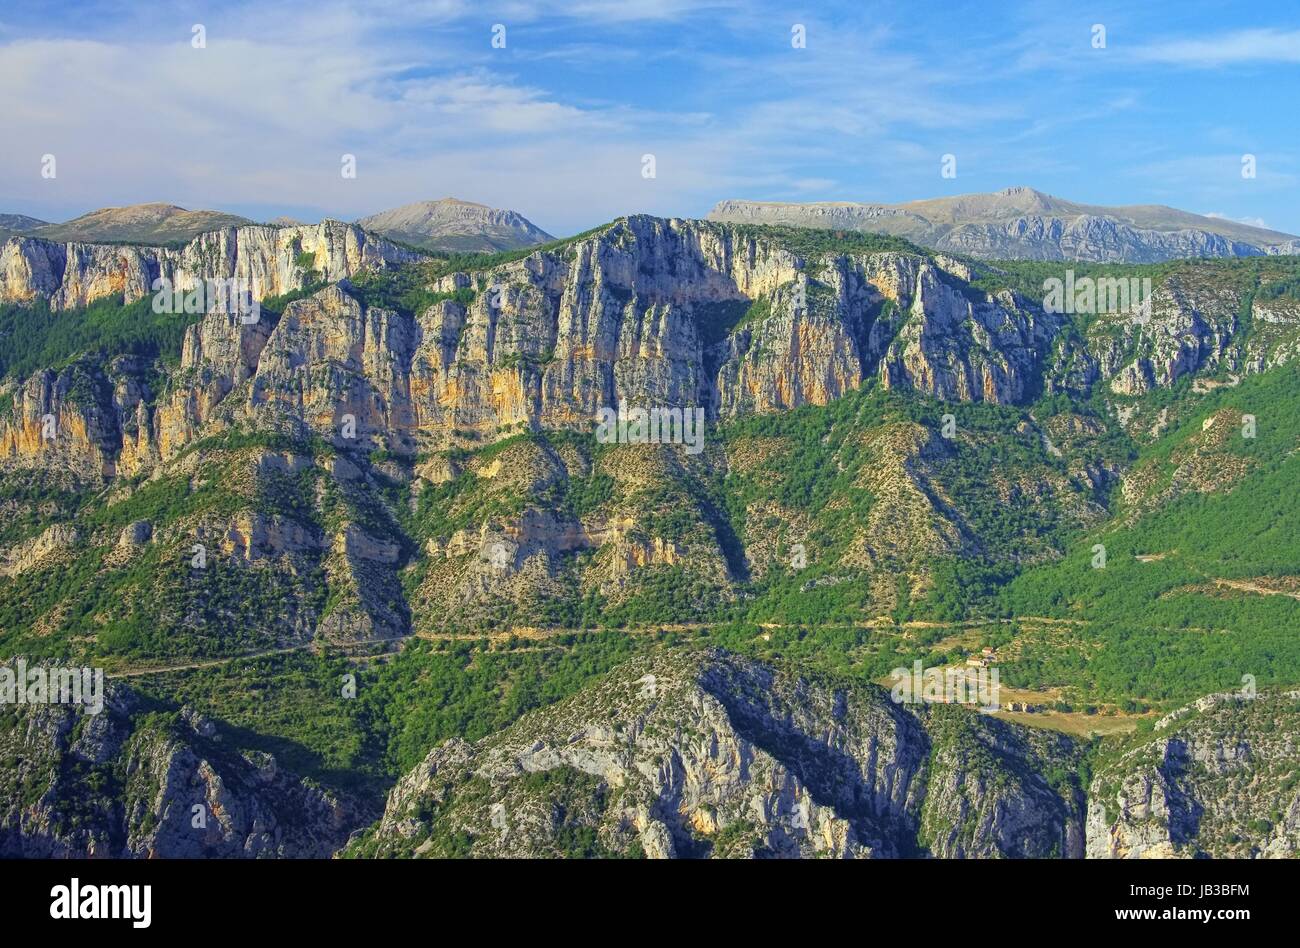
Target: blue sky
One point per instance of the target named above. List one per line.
(555, 124)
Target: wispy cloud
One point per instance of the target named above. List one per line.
(555, 124)
(1241, 47)
(1252, 221)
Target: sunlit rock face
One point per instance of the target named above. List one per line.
(647, 313)
(268, 260)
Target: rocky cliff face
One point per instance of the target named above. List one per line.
(1219, 779)
(121, 784)
(270, 261)
(546, 342)
(681, 314)
(648, 313)
(682, 752)
(687, 754)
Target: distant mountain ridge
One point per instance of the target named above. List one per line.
(13, 225)
(452, 225)
(156, 223)
(1022, 223)
(447, 225)
(20, 222)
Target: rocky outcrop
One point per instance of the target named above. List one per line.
(253, 536)
(37, 550)
(81, 419)
(135, 534)
(1216, 779)
(118, 785)
(684, 753)
(958, 349)
(268, 261)
(995, 790)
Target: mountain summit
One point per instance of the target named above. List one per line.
(452, 225)
(156, 223)
(1022, 223)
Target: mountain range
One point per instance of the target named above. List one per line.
(1017, 223)
(563, 644)
(445, 226)
(1023, 224)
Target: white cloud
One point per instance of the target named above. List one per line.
(1252, 221)
(1243, 46)
(555, 125)
(265, 122)
(255, 123)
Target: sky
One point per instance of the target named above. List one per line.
(555, 122)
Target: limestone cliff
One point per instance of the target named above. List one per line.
(1218, 778)
(647, 312)
(270, 261)
(119, 784)
(686, 753)
(643, 313)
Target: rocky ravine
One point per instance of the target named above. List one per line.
(688, 753)
(699, 753)
(125, 784)
(682, 752)
(1221, 777)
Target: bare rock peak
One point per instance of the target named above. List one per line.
(451, 224)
